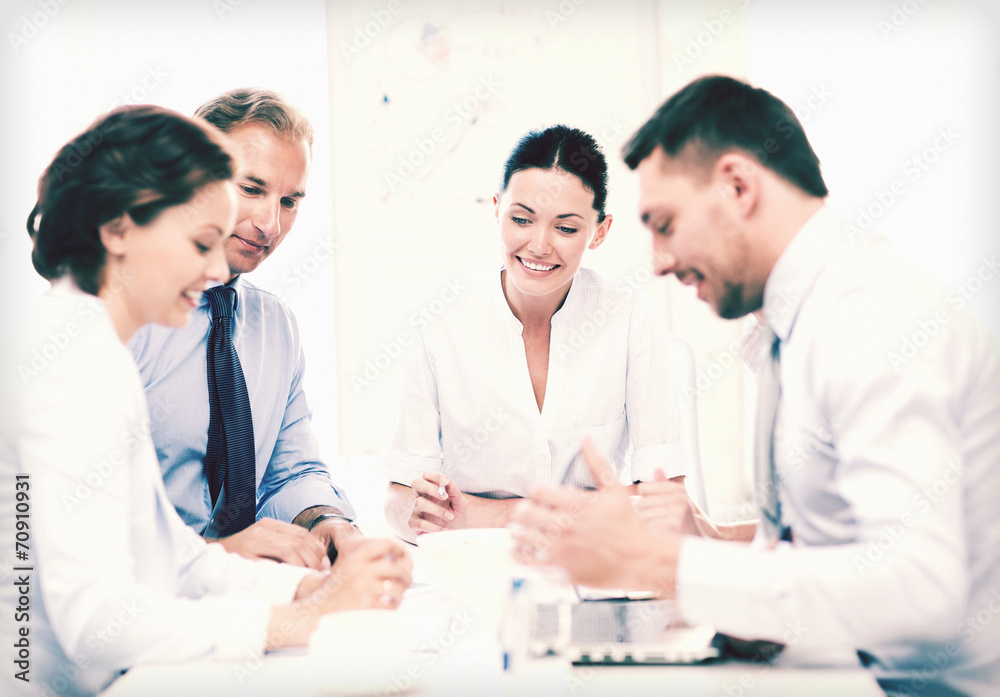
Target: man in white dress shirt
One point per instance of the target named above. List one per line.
(886, 439)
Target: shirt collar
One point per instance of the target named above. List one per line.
(564, 312)
(236, 284)
(798, 267)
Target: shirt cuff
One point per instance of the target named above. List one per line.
(243, 616)
(401, 468)
(305, 492)
(241, 623)
(728, 585)
(674, 459)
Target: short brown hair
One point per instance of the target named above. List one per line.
(718, 113)
(244, 105)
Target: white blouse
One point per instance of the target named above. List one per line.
(469, 411)
(115, 577)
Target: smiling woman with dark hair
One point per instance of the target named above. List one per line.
(129, 226)
(506, 382)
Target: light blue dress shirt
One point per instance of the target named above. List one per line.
(172, 362)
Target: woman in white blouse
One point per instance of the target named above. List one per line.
(129, 226)
(507, 381)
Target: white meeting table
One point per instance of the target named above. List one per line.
(461, 656)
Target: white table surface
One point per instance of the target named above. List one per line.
(459, 654)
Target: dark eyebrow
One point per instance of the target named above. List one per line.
(525, 207)
(570, 215)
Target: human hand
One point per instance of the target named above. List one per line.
(337, 536)
(277, 540)
(665, 507)
(372, 574)
(439, 504)
(595, 535)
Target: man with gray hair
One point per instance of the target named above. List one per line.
(229, 415)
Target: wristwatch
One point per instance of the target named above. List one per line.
(327, 516)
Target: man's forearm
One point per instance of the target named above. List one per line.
(731, 532)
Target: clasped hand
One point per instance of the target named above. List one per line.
(439, 504)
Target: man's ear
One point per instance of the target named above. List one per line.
(736, 176)
(113, 234)
(602, 232)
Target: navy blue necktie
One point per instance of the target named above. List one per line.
(230, 462)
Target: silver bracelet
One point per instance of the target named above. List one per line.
(326, 516)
